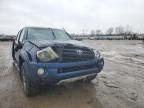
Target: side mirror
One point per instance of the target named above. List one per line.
(18, 45)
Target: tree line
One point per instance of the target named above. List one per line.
(120, 30)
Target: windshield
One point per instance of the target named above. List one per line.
(47, 34)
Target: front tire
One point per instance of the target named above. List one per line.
(29, 88)
(89, 79)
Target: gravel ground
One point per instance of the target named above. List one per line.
(119, 85)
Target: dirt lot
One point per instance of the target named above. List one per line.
(119, 85)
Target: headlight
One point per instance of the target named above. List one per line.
(97, 54)
(47, 54)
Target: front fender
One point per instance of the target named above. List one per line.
(25, 56)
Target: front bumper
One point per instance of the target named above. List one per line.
(52, 74)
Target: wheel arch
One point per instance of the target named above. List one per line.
(24, 57)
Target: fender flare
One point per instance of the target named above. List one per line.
(25, 56)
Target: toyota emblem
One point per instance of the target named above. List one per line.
(79, 52)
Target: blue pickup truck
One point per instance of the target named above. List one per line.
(48, 56)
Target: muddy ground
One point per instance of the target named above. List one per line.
(119, 85)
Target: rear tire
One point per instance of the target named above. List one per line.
(30, 89)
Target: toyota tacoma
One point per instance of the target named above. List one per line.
(48, 56)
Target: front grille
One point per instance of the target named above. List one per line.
(76, 68)
(72, 53)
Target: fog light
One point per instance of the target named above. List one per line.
(40, 71)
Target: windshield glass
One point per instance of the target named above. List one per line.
(47, 34)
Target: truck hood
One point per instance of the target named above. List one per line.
(45, 43)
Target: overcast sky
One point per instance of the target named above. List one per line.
(73, 15)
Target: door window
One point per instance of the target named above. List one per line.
(21, 38)
(18, 35)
